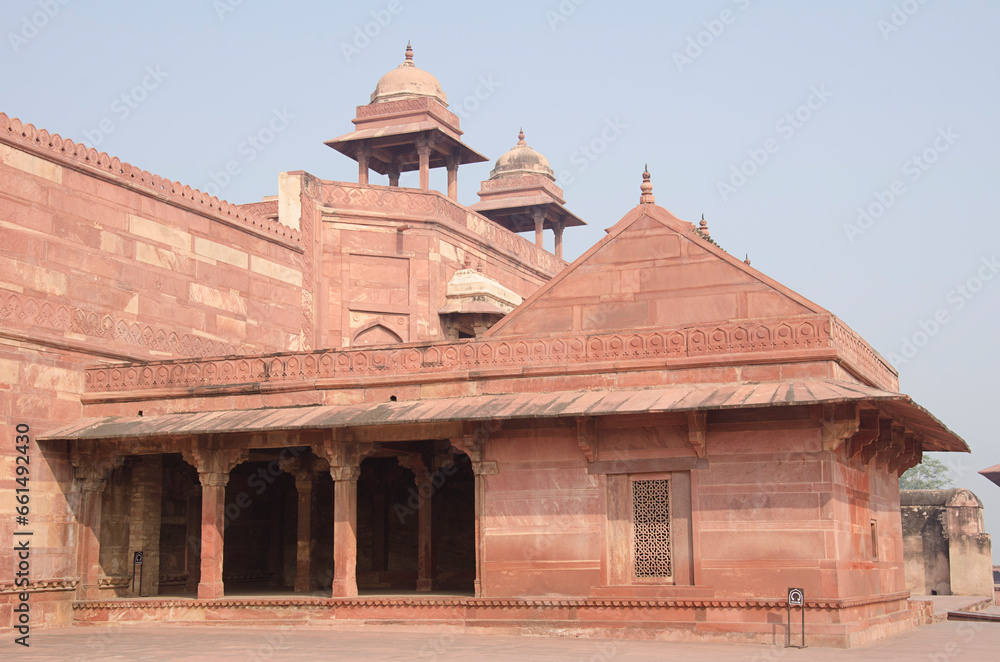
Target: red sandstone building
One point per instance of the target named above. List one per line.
(357, 401)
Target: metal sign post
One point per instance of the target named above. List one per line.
(796, 598)
(137, 561)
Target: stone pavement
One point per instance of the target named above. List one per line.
(941, 642)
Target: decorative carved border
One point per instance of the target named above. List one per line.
(42, 585)
(503, 603)
(29, 311)
(863, 358)
(65, 150)
(746, 338)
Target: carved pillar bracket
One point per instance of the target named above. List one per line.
(474, 446)
(866, 435)
(91, 469)
(586, 436)
(345, 467)
(213, 465)
(839, 423)
(698, 431)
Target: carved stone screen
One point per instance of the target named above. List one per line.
(651, 526)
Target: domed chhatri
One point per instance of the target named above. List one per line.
(407, 81)
(522, 160)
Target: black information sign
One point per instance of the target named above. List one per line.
(796, 598)
(137, 561)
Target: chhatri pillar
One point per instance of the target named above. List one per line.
(363, 153)
(423, 146)
(91, 473)
(538, 215)
(213, 465)
(451, 162)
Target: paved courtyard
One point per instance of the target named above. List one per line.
(942, 642)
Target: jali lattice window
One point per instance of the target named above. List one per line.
(651, 526)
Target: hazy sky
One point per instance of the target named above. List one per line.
(827, 108)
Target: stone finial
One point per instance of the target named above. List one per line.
(520, 139)
(748, 259)
(703, 226)
(409, 53)
(647, 189)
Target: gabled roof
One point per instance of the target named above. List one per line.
(652, 271)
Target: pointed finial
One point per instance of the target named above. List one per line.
(703, 226)
(409, 52)
(520, 138)
(647, 189)
(748, 259)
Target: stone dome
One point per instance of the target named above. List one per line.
(522, 160)
(407, 81)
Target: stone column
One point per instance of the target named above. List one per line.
(91, 476)
(473, 445)
(424, 152)
(213, 465)
(363, 153)
(144, 521)
(303, 549)
(558, 229)
(345, 530)
(425, 533)
(394, 174)
(452, 165)
(213, 525)
(539, 216)
(192, 550)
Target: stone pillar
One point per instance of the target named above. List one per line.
(213, 465)
(213, 524)
(91, 472)
(345, 530)
(303, 549)
(424, 152)
(144, 521)
(394, 174)
(474, 445)
(539, 216)
(363, 153)
(452, 165)
(425, 533)
(192, 550)
(558, 229)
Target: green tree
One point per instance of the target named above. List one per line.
(930, 474)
